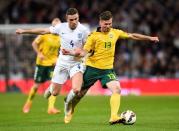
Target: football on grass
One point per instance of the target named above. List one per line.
(129, 116)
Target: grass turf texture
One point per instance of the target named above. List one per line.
(154, 113)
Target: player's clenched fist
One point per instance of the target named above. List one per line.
(19, 31)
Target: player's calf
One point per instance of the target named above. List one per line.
(68, 110)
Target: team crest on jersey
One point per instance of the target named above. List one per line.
(79, 35)
(110, 35)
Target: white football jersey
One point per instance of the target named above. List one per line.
(70, 39)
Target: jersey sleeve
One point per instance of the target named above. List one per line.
(122, 34)
(55, 29)
(38, 39)
(90, 43)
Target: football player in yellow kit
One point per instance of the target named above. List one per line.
(47, 47)
(99, 64)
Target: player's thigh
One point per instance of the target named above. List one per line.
(114, 86)
(40, 74)
(77, 80)
(60, 75)
(76, 75)
(109, 80)
(90, 76)
(79, 67)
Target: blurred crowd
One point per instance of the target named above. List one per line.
(133, 59)
(17, 56)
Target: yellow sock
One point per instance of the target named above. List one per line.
(31, 94)
(51, 101)
(115, 103)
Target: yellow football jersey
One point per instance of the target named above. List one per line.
(48, 45)
(102, 48)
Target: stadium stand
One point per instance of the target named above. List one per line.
(141, 59)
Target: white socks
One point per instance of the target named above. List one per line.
(70, 96)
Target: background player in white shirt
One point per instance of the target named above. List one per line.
(73, 35)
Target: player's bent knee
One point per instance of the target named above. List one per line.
(54, 93)
(80, 94)
(118, 88)
(76, 90)
(36, 86)
(114, 86)
(118, 91)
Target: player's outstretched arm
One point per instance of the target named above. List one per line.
(136, 36)
(33, 31)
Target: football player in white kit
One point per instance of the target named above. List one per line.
(73, 35)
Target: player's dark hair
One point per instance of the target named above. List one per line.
(106, 15)
(72, 11)
(56, 20)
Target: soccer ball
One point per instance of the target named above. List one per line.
(129, 116)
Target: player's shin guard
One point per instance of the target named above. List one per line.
(51, 101)
(114, 104)
(70, 96)
(28, 104)
(31, 94)
(68, 102)
(75, 101)
(77, 98)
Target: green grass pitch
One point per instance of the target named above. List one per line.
(154, 113)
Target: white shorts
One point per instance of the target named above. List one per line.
(62, 72)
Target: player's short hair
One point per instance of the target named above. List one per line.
(72, 11)
(106, 15)
(55, 21)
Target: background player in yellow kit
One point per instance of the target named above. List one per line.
(47, 47)
(99, 65)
